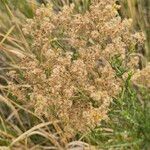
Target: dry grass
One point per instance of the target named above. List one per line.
(139, 11)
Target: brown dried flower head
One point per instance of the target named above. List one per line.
(69, 74)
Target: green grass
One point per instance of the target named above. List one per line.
(128, 127)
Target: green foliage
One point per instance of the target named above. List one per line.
(80, 5)
(128, 126)
(117, 64)
(22, 5)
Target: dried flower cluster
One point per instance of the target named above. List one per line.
(142, 77)
(69, 74)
